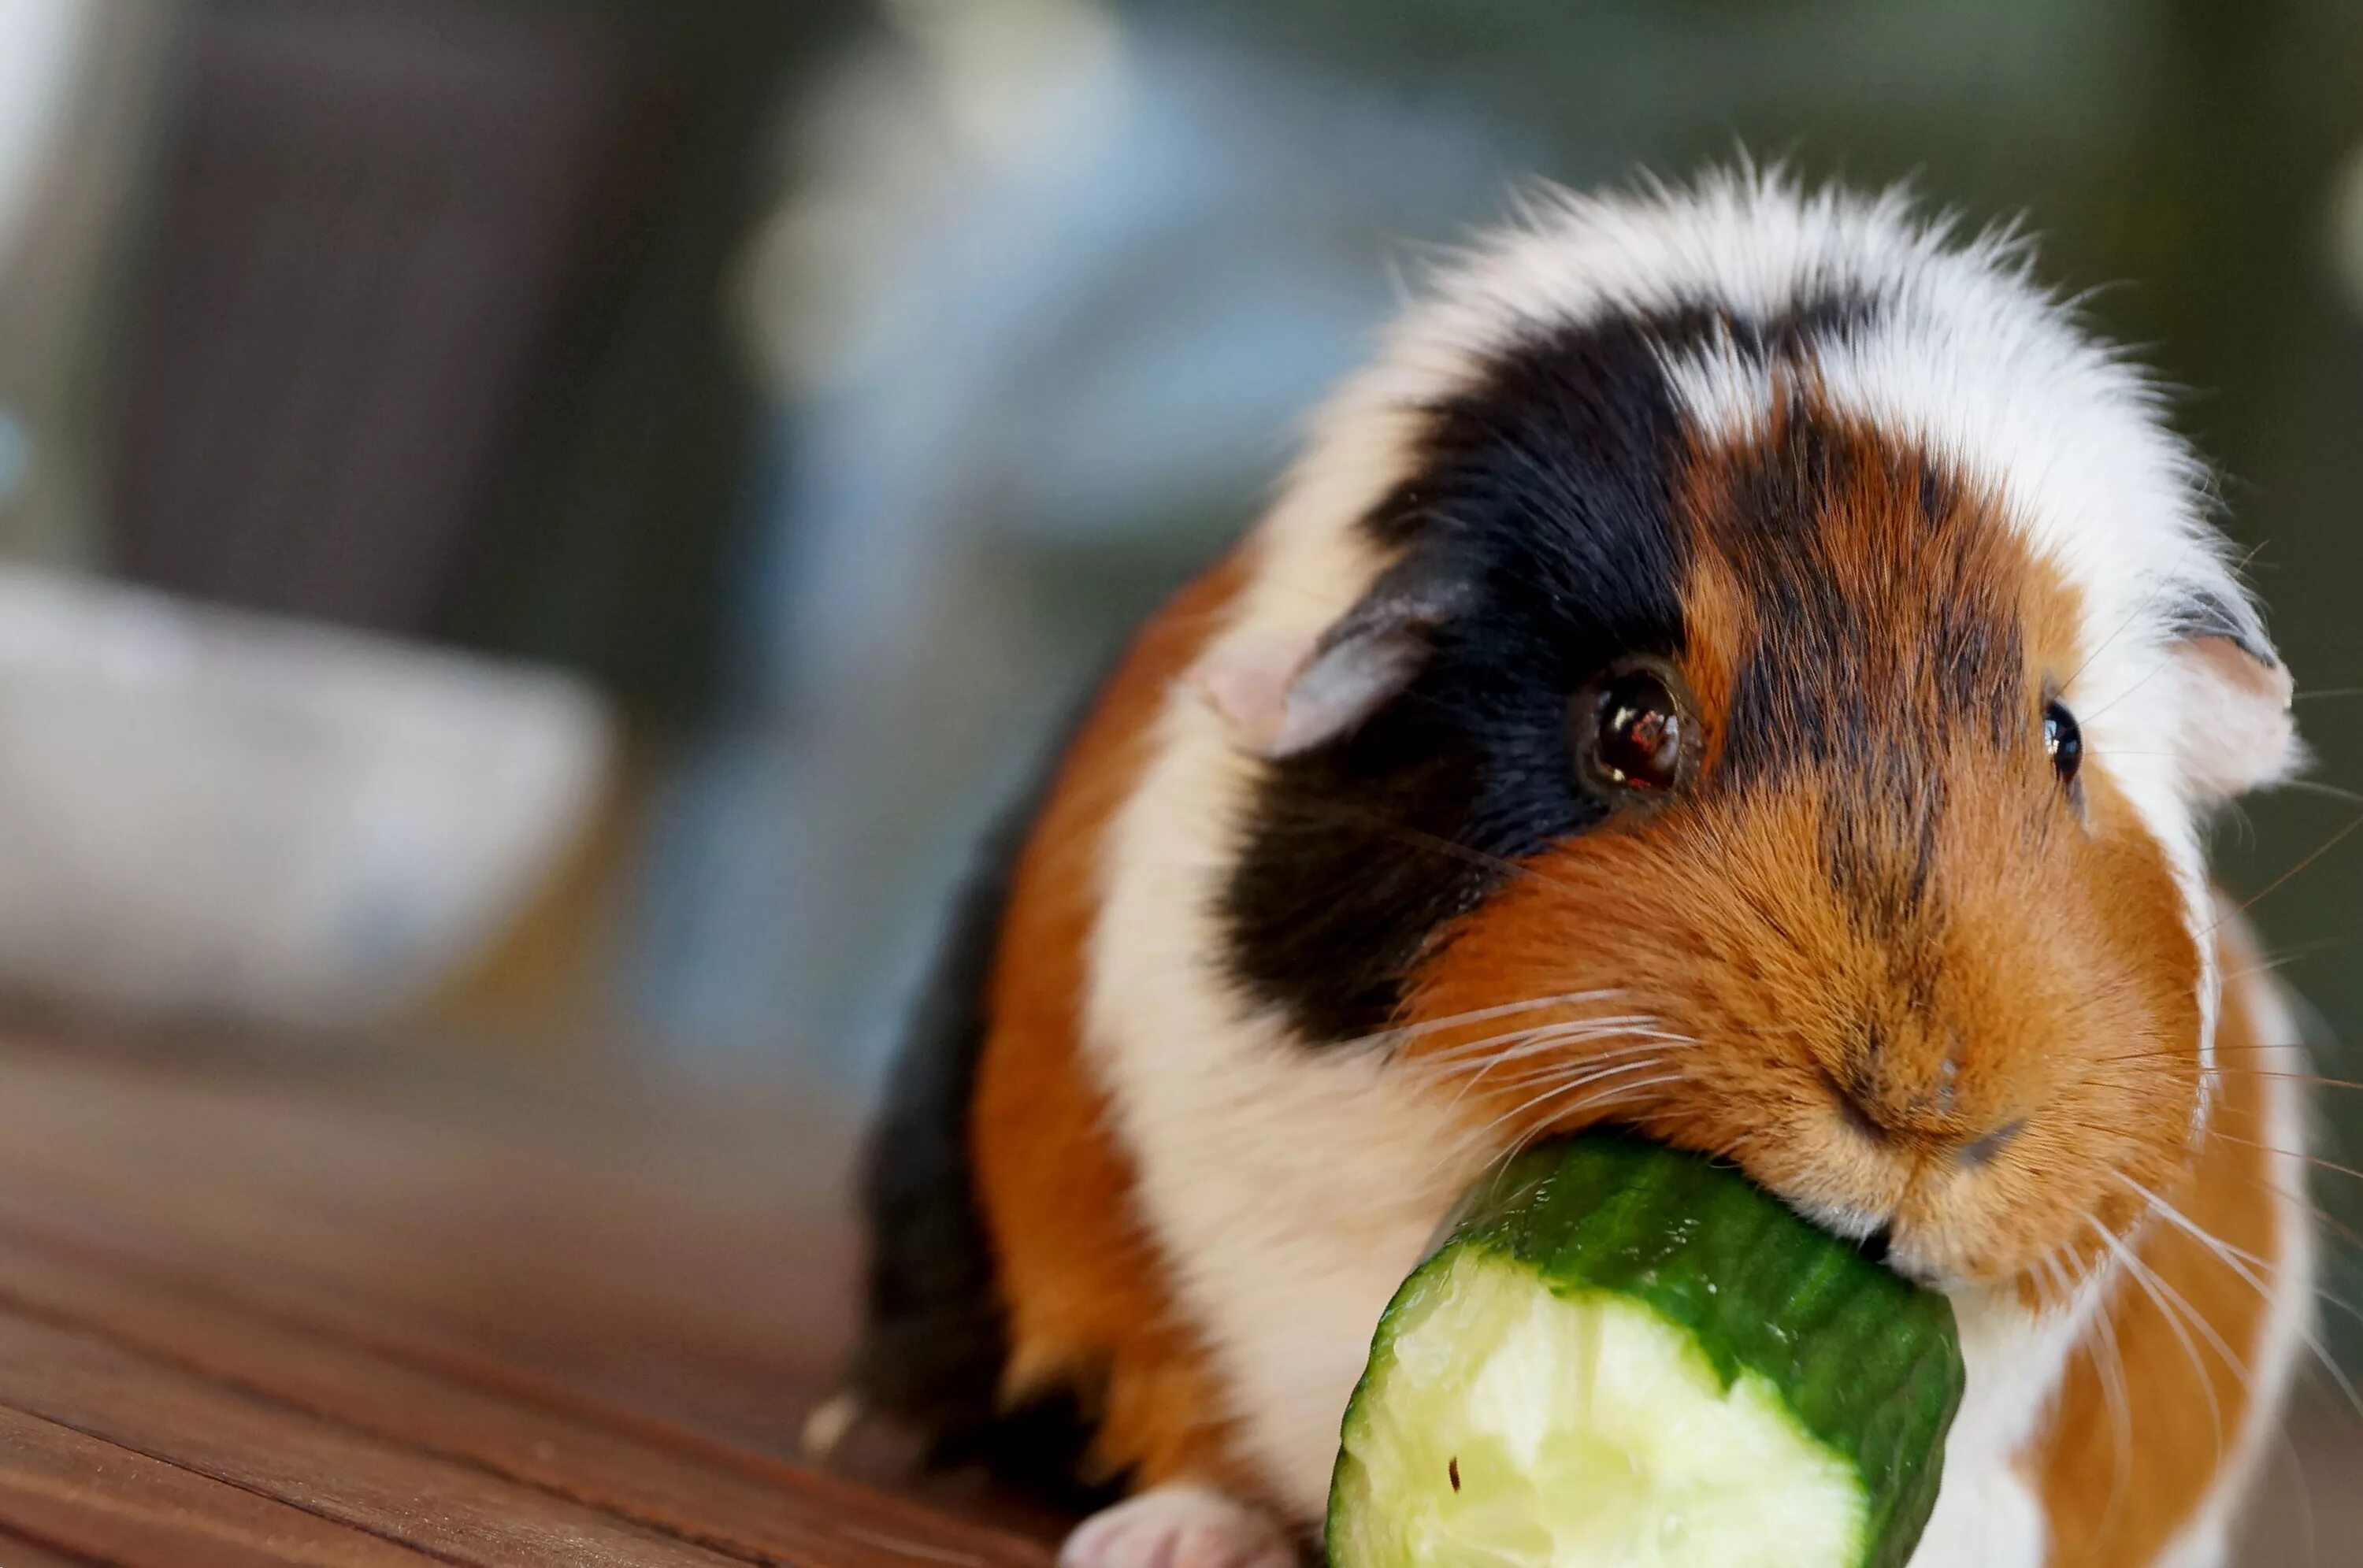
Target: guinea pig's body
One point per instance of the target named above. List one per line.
(1738, 667)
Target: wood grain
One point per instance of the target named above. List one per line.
(84, 1495)
(343, 1316)
(728, 1500)
(24, 1552)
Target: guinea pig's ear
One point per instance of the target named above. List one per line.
(2237, 732)
(1285, 695)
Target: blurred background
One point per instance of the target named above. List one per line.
(538, 529)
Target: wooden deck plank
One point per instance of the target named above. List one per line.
(90, 1501)
(24, 1552)
(662, 1380)
(765, 1512)
(454, 1512)
(600, 1301)
(541, 1235)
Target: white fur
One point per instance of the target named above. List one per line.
(1292, 1189)
(1178, 1527)
(2271, 1365)
(1987, 1516)
(1291, 1194)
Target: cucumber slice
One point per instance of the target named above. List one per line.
(1628, 1355)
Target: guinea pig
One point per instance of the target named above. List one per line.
(1744, 665)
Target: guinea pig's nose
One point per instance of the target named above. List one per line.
(1980, 1150)
(1860, 1108)
(1881, 1116)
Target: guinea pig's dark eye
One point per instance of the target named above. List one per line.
(2063, 741)
(1634, 731)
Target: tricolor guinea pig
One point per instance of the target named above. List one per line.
(1741, 666)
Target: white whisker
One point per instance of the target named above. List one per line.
(2231, 1257)
(2160, 1294)
(1402, 1033)
(2112, 1373)
(1477, 1138)
(1611, 1023)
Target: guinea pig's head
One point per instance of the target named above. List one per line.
(1786, 669)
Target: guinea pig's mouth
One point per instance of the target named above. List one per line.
(1873, 1236)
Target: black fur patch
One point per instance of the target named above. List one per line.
(1548, 490)
(935, 1338)
(2203, 612)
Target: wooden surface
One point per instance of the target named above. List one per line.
(357, 1316)
(340, 1316)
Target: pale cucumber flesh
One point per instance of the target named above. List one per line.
(1519, 1427)
(1626, 1355)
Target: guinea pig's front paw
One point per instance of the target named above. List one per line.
(1178, 1526)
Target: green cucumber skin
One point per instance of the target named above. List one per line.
(1867, 1361)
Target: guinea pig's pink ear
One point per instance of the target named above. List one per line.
(2237, 731)
(1285, 695)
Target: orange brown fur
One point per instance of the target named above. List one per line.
(1086, 1289)
(1959, 956)
(2120, 1475)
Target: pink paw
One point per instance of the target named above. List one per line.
(1178, 1527)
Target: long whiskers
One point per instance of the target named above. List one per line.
(1529, 1042)
(1401, 1034)
(2239, 1261)
(1559, 1090)
(1601, 1097)
(2316, 1160)
(2158, 1291)
(1619, 1093)
(2110, 1370)
(2332, 841)
(1553, 1071)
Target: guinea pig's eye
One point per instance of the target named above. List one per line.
(1635, 732)
(2063, 741)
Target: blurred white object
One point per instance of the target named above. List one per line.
(38, 40)
(210, 812)
(81, 101)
